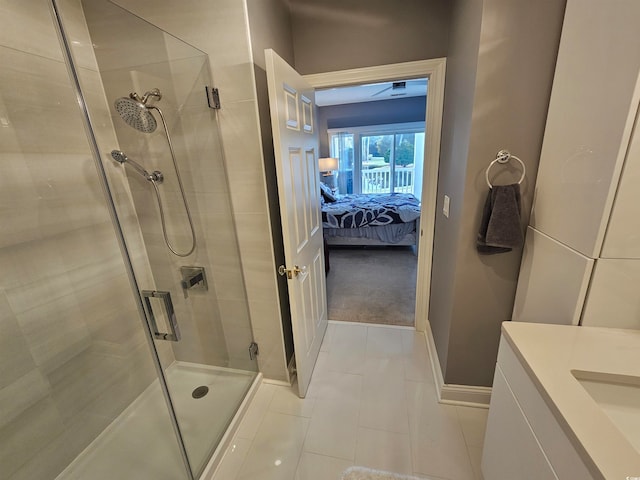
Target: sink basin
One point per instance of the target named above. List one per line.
(619, 398)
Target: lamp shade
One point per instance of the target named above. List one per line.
(327, 164)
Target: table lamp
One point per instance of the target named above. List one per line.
(327, 166)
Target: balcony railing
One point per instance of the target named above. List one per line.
(378, 180)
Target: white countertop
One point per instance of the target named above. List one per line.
(550, 353)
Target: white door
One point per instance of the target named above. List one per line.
(295, 140)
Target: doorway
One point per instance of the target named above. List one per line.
(434, 71)
(376, 133)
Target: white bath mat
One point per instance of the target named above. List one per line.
(362, 473)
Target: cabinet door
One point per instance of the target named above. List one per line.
(590, 117)
(552, 283)
(613, 299)
(561, 454)
(623, 233)
(511, 450)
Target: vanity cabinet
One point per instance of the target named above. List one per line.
(523, 439)
(511, 449)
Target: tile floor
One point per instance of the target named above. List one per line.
(372, 402)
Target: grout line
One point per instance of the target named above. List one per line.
(464, 437)
(367, 324)
(406, 407)
(355, 453)
(428, 382)
(301, 452)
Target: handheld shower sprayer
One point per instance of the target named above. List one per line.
(121, 157)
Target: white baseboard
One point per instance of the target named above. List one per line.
(433, 358)
(465, 395)
(280, 383)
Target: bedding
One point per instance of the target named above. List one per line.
(372, 219)
(386, 234)
(370, 210)
(326, 194)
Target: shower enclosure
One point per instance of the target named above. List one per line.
(125, 342)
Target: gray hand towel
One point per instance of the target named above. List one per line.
(500, 229)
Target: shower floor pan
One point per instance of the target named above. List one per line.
(140, 444)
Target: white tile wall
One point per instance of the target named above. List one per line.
(32, 15)
(73, 353)
(216, 28)
(220, 30)
(181, 76)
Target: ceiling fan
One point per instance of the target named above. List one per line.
(398, 88)
(395, 86)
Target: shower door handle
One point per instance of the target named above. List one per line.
(174, 334)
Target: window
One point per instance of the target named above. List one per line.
(379, 159)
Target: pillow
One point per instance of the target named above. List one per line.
(326, 192)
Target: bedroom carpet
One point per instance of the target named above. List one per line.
(372, 285)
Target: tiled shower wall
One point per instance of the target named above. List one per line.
(72, 350)
(220, 29)
(134, 56)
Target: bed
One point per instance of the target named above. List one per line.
(391, 219)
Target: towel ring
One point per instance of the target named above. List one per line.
(503, 156)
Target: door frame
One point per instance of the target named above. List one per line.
(434, 70)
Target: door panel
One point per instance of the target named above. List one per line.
(313, 212)
(298, 165)
(296, 149)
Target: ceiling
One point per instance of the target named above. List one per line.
(372, 92)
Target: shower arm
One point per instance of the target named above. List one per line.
(152, 93)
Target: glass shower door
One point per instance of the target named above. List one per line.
(76, 372)
(162, 153)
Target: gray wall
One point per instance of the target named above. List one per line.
(380, 112)
(472, 295)
(341, 34)
(462, 62)
(500, 62)
(270, 27)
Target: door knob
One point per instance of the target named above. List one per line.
(290, 273)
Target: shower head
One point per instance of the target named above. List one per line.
(136, 114)
(121, 157)
(134, 110)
